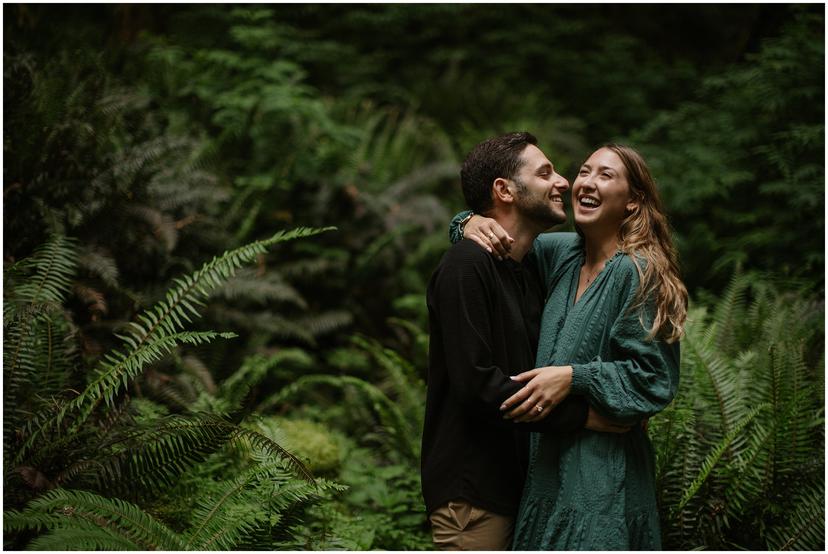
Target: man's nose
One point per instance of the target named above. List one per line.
(561, 183)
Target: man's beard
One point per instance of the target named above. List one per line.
(538, 210)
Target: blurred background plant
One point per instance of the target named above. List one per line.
(142, 141)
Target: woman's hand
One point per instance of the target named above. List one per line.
(489, 234)
(546, 388)
(597, 422)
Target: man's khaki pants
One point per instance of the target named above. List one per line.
(460, 526)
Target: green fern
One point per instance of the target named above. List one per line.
(715, 455)
(394, 423)
(745, 427)
(249, 285)
(116, 520)
(407, 387)
(158, 331)
(37, 359)
(804, 524)
(53, 265)
(255, 368)
(237, 508)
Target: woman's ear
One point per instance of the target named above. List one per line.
(502, 191)
(632, 206)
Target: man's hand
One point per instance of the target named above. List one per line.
(546, 388)
(597, 422)
(489, 234)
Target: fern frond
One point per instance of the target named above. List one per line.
(726, 315)
(71, 509)
(54, 264)
(265, 323)
(700, 352)
(713, 457)
(236, 433)
(31, 305)
(225, 520)
(162, 225)
(195, 367)
(177, 187)
(804, 528)
(158, 453)
(261, 289)
(394, 422)
(38, 350)
(166, 316)
(118, 369)
(255, 368)
(157, 332)
(326, 322)
(114, 373)
(82, 535)
(408, 387)
(100, 264)
(311, 267)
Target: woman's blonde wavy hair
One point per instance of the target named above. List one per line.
(645, 234)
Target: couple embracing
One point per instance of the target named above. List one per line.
(548, 353)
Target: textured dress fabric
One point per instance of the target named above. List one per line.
(589, 490)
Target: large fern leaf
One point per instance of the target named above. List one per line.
(158, 330)
(62, 510)
(712, 459)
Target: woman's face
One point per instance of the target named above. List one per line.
(601, 193)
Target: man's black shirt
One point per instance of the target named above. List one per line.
(484, 319)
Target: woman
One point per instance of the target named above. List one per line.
(614, 314)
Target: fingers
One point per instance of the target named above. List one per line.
(537, 411)
(476, 237)
(491, 245)
(489, 234)
(525, 408)
(526, 375)
(500, 239)
(520, 409)
(515, 399)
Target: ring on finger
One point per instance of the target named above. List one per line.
(491, 235)
(539, 408)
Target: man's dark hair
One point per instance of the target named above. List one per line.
(492, 158)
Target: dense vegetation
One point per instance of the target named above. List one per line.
(195, 359)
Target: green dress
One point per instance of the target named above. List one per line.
(588, 490)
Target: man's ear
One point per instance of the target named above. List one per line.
(502, 190)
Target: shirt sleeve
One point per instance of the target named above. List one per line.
(460, 300)
(454, 227)
(546, 248)
(643, 378)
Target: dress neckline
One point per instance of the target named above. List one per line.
(577, 274)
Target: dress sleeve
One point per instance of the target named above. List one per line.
(643, 377)
(550, 249)
(454, 227)
(459, 297)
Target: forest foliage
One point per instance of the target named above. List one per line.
(220, 222)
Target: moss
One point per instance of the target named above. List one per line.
(311, 442)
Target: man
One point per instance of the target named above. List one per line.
(484, 319)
